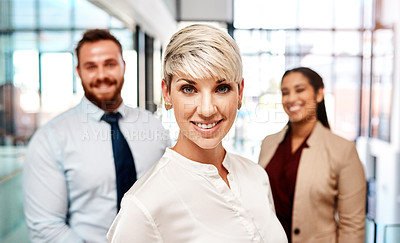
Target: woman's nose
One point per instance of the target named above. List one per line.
(207, 106)
(290, 97)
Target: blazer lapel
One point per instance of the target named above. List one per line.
(269, 147)
(306, 170)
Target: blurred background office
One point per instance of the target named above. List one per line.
(353, 44)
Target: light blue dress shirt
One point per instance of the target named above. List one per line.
(69, 175)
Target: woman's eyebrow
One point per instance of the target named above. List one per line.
(187, 80)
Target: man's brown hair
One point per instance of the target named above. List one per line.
(94, 35)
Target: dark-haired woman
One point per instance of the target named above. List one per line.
(317, 179)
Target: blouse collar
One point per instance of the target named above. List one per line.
(197, 167)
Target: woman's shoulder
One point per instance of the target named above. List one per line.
(274, 138)
(150, 180)
(244, 164)
(239, 158)
(154, 182)
(341, 151)
(331, 139)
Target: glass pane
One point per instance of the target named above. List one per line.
(6, 14)
(315, 14)
(365, 97)
(292, 45)
(367, 36)
(157, 75)
(129, 90)
(261, 113)
(348, 42)
(26, 79)
(54, 13)
(79, 92)
(368, 14)
(116, 23)
(125, 37)
(6, 41)
(25, 40)
(386, 107)
(27, 102)
(250, 41)
(88, 16)
(392, 233)
(383, 42)
(23, 15)
(56, 73)
(347, 14)
(265, 14)
(366, 87)
(26, 69)
(262, 73)
(258, 41)
(76, 37)
(323, 66)
(347, 97)
(55, 41)
(77, 86)
(381, 97)
(314, 42)
(382, 80)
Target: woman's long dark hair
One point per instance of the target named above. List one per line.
(316, 81)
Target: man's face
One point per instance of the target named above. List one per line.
(101, 69)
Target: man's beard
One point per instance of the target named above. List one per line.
(110, 103)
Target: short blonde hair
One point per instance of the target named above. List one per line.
(202, 51)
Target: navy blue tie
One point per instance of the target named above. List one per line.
(124, 165)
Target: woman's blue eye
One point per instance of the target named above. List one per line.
(188, 89)
(223, 88)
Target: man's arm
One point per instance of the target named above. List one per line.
(45, 192)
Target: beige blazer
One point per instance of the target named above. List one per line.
(330, 193)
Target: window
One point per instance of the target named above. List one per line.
(37, 65)
(330, 37)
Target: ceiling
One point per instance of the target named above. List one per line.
(159, 18)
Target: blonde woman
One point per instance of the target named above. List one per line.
(317, 179)
(198, 192)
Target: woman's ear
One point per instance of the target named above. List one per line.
(165, 91)
(241, 86)
(320, 95)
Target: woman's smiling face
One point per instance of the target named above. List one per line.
(205, 109)
(299, 98)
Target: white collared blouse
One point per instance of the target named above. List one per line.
(180, 200)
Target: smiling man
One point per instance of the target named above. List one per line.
(79, 165)
(101, 68)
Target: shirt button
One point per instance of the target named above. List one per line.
(296, 231)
